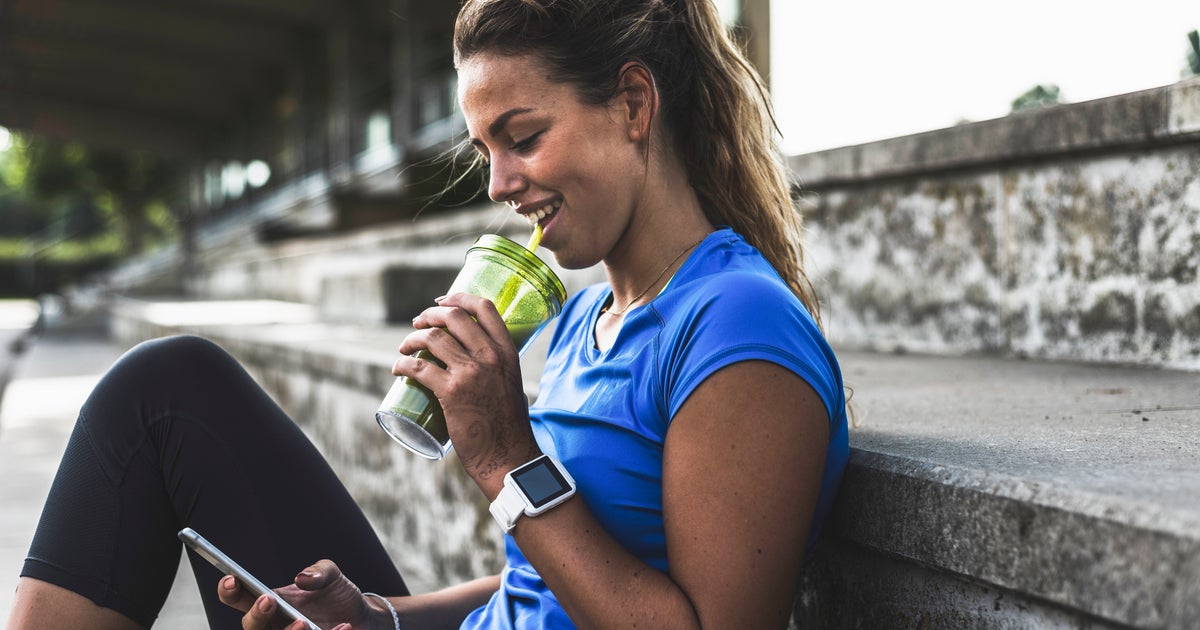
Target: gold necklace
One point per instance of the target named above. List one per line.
(619, 312)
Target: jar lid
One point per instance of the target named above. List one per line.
(526, 260)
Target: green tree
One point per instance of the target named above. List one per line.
(1037, 96)
(135, 185)
(75, 186)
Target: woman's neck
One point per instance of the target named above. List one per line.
(657, 243)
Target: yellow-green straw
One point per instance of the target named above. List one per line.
(509, 291)
(535, 239)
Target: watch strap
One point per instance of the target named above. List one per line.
(507, 508)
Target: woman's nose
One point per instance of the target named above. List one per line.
(504, 180)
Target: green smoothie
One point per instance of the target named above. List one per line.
(526, 293)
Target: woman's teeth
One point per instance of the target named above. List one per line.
(541, 213)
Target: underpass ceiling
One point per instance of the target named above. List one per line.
(163, 76)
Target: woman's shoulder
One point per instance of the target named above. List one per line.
(740, 305)
(736, 284)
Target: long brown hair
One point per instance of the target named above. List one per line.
(714, 103)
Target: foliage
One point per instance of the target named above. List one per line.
(68, 211)
(69, 251)
(1037, 96)
(52, 191)
(28, 268)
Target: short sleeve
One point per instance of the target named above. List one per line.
(743, 317)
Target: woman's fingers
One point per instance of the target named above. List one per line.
(259, 611)
(464, 329)
(469, 318)
(482, 310)
(260, 614)
(232, 594)
(321, 590)
(476, 376)
(318, 576)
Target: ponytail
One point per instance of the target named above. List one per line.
(715, 105)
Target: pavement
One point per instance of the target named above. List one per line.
(49, 382)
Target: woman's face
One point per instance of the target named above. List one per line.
(574, 165)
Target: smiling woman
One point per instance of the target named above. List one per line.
(678, 462)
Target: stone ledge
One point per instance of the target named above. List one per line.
(1156, 116)
(1053, 491)
(1126, 563)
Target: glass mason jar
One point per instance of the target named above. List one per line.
(527, 294)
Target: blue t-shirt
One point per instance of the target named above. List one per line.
(605, 414)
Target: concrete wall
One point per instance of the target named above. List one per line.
(1069, 232)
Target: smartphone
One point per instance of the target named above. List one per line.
(227, 566)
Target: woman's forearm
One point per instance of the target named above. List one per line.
(598, 582)
(445, 608)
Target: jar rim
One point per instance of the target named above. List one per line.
(526, 259)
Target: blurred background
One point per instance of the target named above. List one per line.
(129, 126)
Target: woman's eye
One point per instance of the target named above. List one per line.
(526, 144)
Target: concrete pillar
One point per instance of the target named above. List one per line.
(402, 74)
(755, 25)
(341, 110)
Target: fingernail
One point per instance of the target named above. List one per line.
(265, 603)
(439, 298)
(308, 573)
(229, 583)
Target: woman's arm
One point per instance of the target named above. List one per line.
(328, 597)
(742, 471)
(446, 608)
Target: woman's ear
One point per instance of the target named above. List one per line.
(637, 100)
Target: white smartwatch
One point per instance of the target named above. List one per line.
(530, 490)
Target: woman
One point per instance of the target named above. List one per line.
(692, 397)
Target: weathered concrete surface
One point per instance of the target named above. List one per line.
(374, 276)
(849, 586)
(1075, 485)
(1066, 494)
(1071, 232)
(1144, 119)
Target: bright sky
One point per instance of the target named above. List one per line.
(851, 71)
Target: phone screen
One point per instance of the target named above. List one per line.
(226, 565)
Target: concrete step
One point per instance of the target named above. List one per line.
(1068, 492)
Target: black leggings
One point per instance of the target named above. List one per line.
(178, 435)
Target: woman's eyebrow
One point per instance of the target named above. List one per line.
(498, 125)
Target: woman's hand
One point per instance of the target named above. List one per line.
(321, 592)
(480, 388)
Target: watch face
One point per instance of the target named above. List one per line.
(541, 483)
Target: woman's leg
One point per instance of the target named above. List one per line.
(178, 435)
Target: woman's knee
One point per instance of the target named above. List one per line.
(161, 369)
(176, 350)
